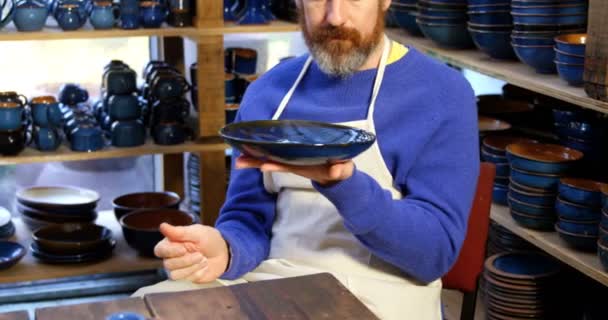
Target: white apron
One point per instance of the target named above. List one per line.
(308, 236)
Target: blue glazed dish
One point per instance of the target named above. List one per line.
(532, 222)
(297, 142)
(503, 169)
(532, 41)
(523, 265)
(604, 219)
(535, 180)
(494, 158)
(590, 228)
(575, 8)
(564, 57)
(490, 17)
(576, 212)
(495, 44)
(572, 73)
(499, 194)
(447, 35)
(542, 158)
(405, 20)
(10, 254)
(572, 43)
(581, 191)
(537, 211)
(538, 57)
(602, 252)
(534, 199)
(530, 189)
(549, 19)
(578, 241)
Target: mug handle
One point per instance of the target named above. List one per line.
(23, 99)
(27, 114)
(29, 136)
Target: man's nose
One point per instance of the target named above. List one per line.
(335, 15)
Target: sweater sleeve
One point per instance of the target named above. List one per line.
(422, 233)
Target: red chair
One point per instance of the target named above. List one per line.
(465, 273)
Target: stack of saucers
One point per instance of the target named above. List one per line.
(521, 285)
(579, 211)
(72, 243)
(402, 14)
(493, 149)
(41, 206)
(502, 240)
(535, 172)
(7, 228)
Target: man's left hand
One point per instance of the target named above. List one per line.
(325, 174)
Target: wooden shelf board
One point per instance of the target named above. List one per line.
(51, 32)
(550, 242)
(275, 26)
(32, 155)
(124, 258)
(513, 72)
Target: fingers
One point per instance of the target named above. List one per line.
(199, 275)
(183, 261)
(185, 273)
(179, 234)
(167, 249)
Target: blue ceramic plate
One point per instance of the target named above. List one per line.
(297, 142)
(72, 258)
(10, 254)
(520, 265)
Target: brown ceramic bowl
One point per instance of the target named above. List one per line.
(145, 200)
(551, 153)
(72, 238)
(494, 105)
(492, 124)
(497, 144)
(574, 38)
(85, 216)
(140, 227)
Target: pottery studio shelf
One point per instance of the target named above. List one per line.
(10, 33)
(549, 241)
(31, 155)
(124, 258)
(513, 72)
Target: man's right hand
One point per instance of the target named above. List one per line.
(197, 253)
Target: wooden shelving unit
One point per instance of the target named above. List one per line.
(513, 72)
(586, 262)
(124, 258)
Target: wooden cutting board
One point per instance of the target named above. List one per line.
(16, 315)
(92, 311)
(319, 296)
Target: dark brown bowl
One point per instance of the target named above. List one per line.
(72, 238)
(145, 200)
(492, 124)
(140, 227)
(499, 143)
(86, 216)
(544, 152)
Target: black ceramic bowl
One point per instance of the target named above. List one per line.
(140, 227)
(145, 200)
(297, 142)
(10, 254)
(72, 238)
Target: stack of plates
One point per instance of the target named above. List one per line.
(42, 206)
(521, 285)
(194, 183)
(72, 243)
(7, 228)
(501, 240)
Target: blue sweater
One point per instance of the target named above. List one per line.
(426, 125)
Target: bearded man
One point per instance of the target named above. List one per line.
(387, 224)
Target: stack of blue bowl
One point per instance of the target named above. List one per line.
(490, 26)
(445, 22)
(602, 242)
(7, 228)
(402, 14)
(584, 131)
(493, 149)
(578, 208)
(536, 22)
(570, 57)
(536, 169)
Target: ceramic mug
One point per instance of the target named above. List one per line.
(12, 96)
(151, 14)
(30, 15)
(103, 15)
(128, 133)
(12, 142)
(46, 111)
(12, 115)
(124, 107)
(47, 139)
(170, 133)
(72, 94)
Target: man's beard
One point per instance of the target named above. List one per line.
(341, 51)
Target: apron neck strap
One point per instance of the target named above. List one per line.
(375, 90)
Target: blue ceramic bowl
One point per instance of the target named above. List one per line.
(453, 14)
(572, 73)
(473, 3)
(542, 158)
(405, 20)
(590, 228)
(604, 190)
(565, 116)
(522, 265)
(498, 17)
(576, 212)
(447, 35)
(501, 5)
(544, 2)
(420, 18)
(10, 254)
(495, 44)
(538, 57)
(532, 41)
(490, 157)
(602, 253)
(503, 169)
(578, 241)
(533, 199)
(543, 212)
(604, 219)
(503, 181)
(535, 180)
(581, 191)
(532, 222)
(575, 8)
(563, 57)
(549, 19)
(297, 142)
(571, 43)
(530, 189)
(499, 194)
(583, 130)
